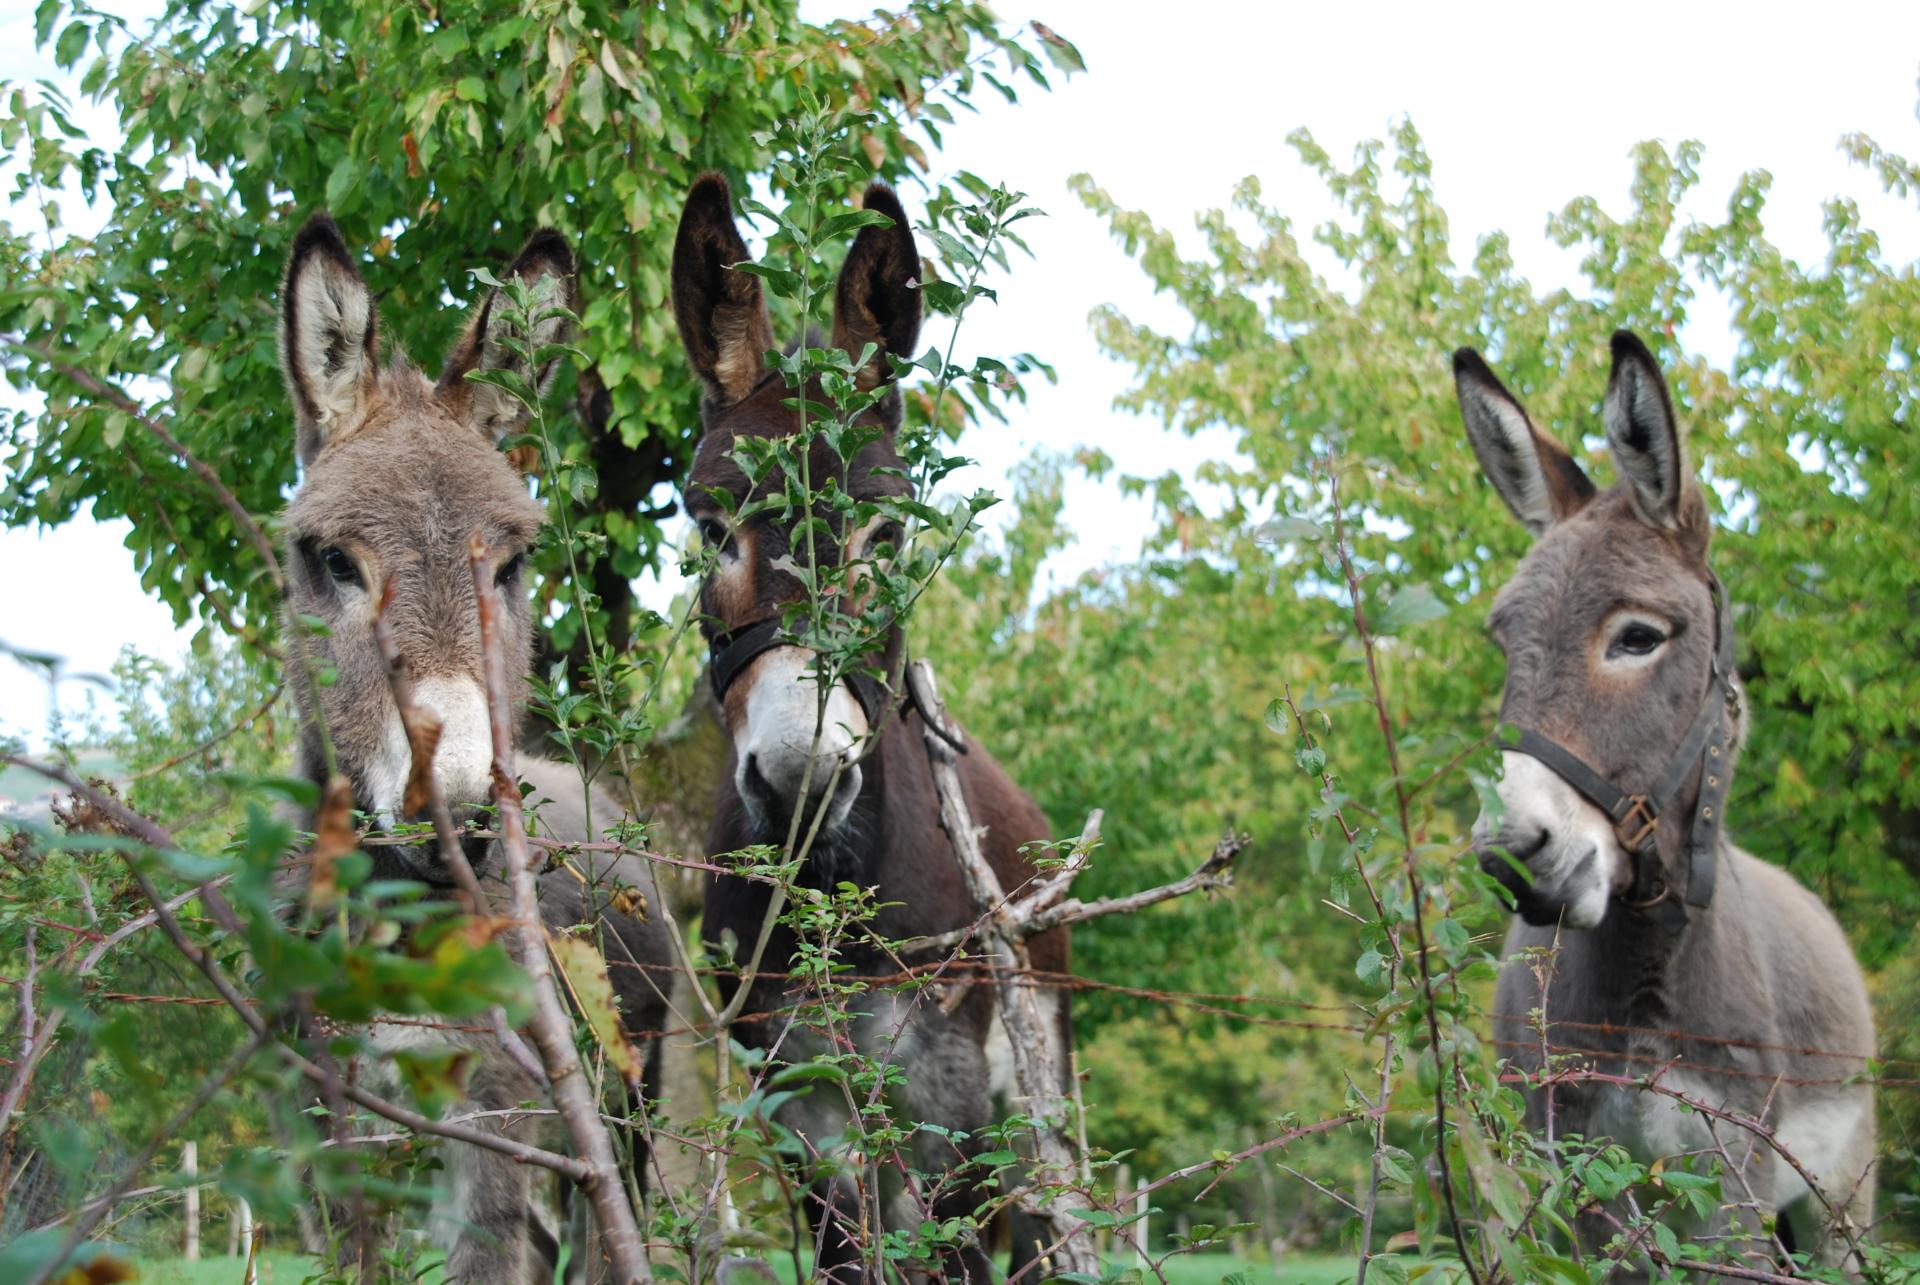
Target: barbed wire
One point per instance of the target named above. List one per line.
(1220, 1004)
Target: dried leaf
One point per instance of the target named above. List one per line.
(586, 975)
(423, 737)
(333, 838)
(631, 902)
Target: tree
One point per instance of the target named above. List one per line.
(1807, 438)
(439, 135)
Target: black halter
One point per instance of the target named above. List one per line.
(1636, 817)
(732, 652)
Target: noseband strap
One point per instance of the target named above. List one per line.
(1636, 817)
(732, 652)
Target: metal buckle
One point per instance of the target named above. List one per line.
(1641, 813)
(1666, 890)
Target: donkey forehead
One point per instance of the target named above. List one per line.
(414, 470)
(1600, 560)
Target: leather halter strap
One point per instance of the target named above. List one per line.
(1636, 817)
(732, 652)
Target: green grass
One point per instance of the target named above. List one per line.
(1209, 1269)
(17, 785)
(272, 1269)
(1297, 1269)
(1191, 1269)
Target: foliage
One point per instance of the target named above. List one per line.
(439, 137)
(1806, 440)
(1221, 680)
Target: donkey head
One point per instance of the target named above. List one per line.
(1609, 629)
(784, 733)
(400, 471)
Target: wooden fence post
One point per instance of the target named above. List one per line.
(190, 1169)
(249, 1243)
(1142, 1202)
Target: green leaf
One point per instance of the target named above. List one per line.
(1411, 606)
(72, 43)
(341, 182)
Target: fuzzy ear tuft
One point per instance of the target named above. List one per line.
(1643, 433)
(722, 314)
(877, 300)
(327, 337)
(546, 263)
(1539, 481)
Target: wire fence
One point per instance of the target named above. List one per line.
(1233, 1006)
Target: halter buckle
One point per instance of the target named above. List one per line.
(1664, 890)
(1636, 825)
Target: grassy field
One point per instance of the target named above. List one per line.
(1201, 1269)
(272, 1269)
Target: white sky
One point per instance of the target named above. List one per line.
(1523, 107)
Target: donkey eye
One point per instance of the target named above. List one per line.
(509, 572)
(714, 532)
(339, 565)
(889, 535)
(1637, 640)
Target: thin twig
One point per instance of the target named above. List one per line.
(156, 836)
(552, 1029)
(90, 1219)
(1416, 895)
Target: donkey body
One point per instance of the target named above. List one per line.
(854, 756)
(1675, 949)
(399, 471)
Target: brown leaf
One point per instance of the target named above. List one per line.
(333, 838)
(586, 975)
(423, 738)
(630, 901)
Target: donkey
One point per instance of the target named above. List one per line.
(857, 750)
(400, 470)
(1675, 948)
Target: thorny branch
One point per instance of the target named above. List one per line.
(156, 837)
(1416, 895)
(1003, 927)
(573, 1095)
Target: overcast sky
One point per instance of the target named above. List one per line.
(1523, 107)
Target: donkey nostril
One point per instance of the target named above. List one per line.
(756, 780)
(476, 850)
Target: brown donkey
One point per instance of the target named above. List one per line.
(1675, 947)
(400, 471)
(881, 826)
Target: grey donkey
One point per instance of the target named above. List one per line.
(1675, 949)
(400, 470)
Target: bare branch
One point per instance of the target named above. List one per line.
(95, 1211)
(221, 912)
(552, 1030)
(1037, 1061)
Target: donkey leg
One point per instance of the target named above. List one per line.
(1826, 1230)
(485, 1220)
(838, 1215)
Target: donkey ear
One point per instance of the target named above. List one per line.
(327, 336)
(722, 313)
(1643, 433)
(878, 298)
(1538, 480)
(546, 264)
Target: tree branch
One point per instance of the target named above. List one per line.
(552, 1030)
